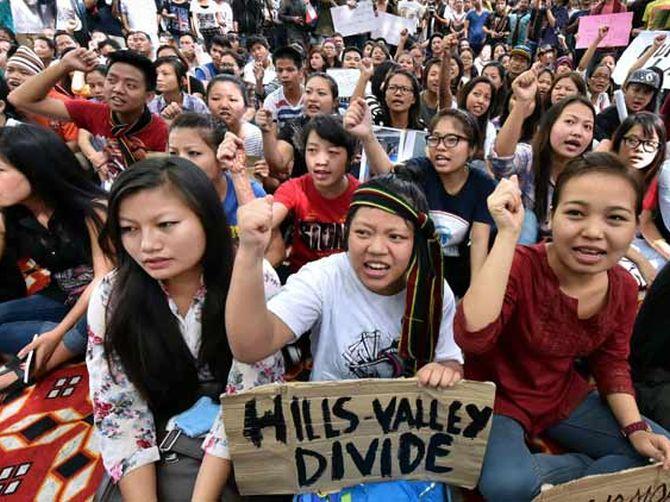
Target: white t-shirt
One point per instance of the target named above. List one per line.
(141, 16)
(268, 75)
(355, 332)
(283, 111)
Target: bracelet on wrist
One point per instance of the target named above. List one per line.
(638, 426)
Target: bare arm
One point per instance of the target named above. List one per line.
(647, 444)
(253, 332)
(591, 50)
(524, 88)
(358, 122)
(31, 96)
(642, 60)
(445, 96)
(139, 485)
(276, 252)
(479, 246)
(652, 235)
(483, 302)
(212, 477)
(363, 79)
(277, 153)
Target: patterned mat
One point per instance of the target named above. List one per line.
(47, 448)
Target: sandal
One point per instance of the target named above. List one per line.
(15, 366)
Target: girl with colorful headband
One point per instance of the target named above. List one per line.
(380, 310)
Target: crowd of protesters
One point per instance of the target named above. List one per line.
(190, 201)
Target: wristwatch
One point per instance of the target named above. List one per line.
(635, 427)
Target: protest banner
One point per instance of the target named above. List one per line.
(660, 58)
(346, 80)
(348, 21)
(618, 35)
(304, 437)
(644, 484)
(389, 27)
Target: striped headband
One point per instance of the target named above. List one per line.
(27, 59)
(423, 302)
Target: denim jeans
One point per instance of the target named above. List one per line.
(512, 472)
(36, 314)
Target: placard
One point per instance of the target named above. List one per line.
(320, 436)
(346, 79)
(399, 144)
(348, 21)
(618, 35)
(644, 484)
(660, 58)
(389, 27)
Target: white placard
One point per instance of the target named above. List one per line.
(660, 58)
(389, 27)
(348, 21)
(346, 80)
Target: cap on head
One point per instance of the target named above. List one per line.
(645, 77)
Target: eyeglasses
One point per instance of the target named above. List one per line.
(648, 145)
(393, 89)
(448, 140)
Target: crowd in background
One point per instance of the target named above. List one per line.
(186, 190)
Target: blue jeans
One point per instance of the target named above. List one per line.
(512, 472)
(36, 314)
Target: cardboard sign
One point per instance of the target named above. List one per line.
(618, 35)
(644, 484)
(660, 58)
(346, 80)
(348, 21)
(305, 437)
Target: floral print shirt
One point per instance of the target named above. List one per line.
(123, 420)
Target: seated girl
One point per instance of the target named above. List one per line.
(171, 83)
(532, 311)
(456, 192)
(197, 137)
(50, 215)
(565, 132)
(640, 142)
(157, 341)
(317, 201)
(283, 148)
(360, 296)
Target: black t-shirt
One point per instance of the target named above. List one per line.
(453, 215)
(650, 344)
(61, 248)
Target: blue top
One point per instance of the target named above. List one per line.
(476, 35)
(230, 204)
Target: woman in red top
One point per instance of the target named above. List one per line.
(532, 311)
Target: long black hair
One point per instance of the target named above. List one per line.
(482, 121)
(141, 330)
(531, 122)
(54, 174)
(414, 112)
(543, 153)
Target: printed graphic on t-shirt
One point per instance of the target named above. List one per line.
(206, 20)
(320, 236)
(373, 355)
(451, 229)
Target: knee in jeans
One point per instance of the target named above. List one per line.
(508, 485)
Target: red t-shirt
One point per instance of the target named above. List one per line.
(318, 228)
(650, 201)
(529, 352)
(95, 118)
